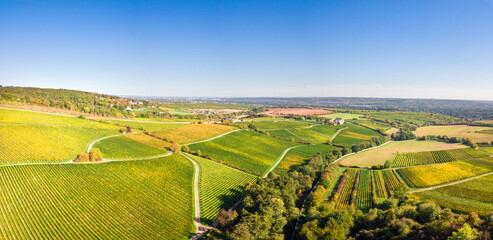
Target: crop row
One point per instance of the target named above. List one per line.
(220, 187)
(343, 196)
(432, 157)
(431, 175)
(364, 191)
(380, 189)
(149, 199)
(393, 182)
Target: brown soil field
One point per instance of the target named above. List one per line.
(295, 111)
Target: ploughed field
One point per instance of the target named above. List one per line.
(148, 199)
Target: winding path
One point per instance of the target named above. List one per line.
(274, 165)
(338, 131)
(200, 229)
(452, 183)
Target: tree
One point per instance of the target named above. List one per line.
(464, 233)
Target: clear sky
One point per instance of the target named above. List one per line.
(396, 48)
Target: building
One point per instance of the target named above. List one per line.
(338, 121)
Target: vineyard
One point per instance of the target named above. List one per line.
(40, 137)
(124, 147)
(354, 134)
(342, 197)
(432, 157)
(276, 125)
(286, 135)
(426, 176)
(193, 132)
(380, 189)
(248, 150)
(393, 182)
(364, 194)
(149, 126)
(149, 199)
(220, 187)
(470, 196)
(297, 156)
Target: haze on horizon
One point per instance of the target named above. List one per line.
(400, 49)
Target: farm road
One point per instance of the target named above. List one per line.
(452, 183)
(274, 165)
(338, 131)
(199, 228)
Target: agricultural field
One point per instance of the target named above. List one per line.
(125, 147)
(487, 150)
(295, 111)
(372, 124)
(354, 134)
(345, 116)
(248, 150)
(432, 157)
(432, 175)
(392, 180)
(477, 134)
(298, 155)
(42, 137)
(470, 196)
(276, 125)
(149, 199)
(413, 117)
(193, 132)
(364, 193)
(390, 150)
(220, 187)
(145, 125)
(215, 106)
(380, 188)
(343, 198)
(149, 141)
(286, 134)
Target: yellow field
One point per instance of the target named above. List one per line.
(150, 141)
(431, 175)
(193, 132)
(389, 151)
(462, 131)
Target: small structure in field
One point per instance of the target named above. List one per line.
(338, 121)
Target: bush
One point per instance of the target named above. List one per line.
(82, 116)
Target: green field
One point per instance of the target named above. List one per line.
(124, 147)
(276, 125)
(286, 134)
(432, 157)
(431, 175)
(297, 156)
(193, 132)
(220, 187)
(150, 199)
(364, 193)
(345, 116)
(372, 124)
(248, 150)
(343, 198)
(390, 150)
(40, 137)
(354, 134)
(149, 126)
(413, 117)
(470, 196)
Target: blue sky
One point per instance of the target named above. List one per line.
(411, 49)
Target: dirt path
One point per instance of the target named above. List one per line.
(212, 138)
(274, 165)
(452, 183)
(338, 131)
(200, 229)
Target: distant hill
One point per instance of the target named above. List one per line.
(73, 100)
